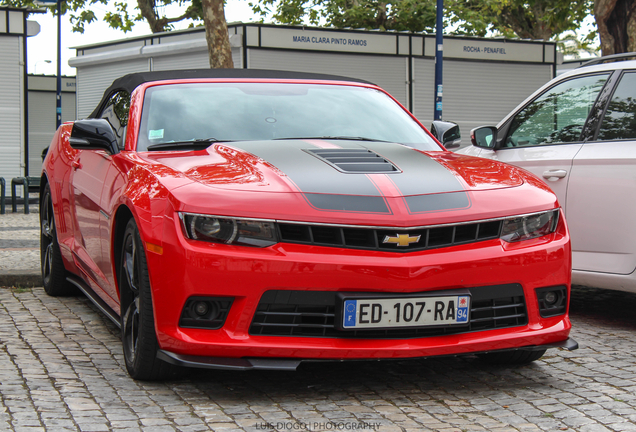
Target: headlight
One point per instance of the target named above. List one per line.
(217, 229)
(529, 226)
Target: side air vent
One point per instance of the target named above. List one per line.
(354, 160)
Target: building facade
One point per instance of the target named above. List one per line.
(483, 78)
(13, 104)
(42, 91)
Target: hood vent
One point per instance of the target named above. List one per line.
(360, 161)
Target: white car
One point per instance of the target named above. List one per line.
(578, 133)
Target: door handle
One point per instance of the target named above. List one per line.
(554, 174)
(76, 164)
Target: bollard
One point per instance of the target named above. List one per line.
(2, 194)
(25, 184)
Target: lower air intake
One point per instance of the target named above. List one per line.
(312, 314)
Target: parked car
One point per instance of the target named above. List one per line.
(578, 133)
(247, 219)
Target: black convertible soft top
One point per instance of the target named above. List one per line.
(131, 81)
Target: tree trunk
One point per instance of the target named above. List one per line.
(216, 34)
(147, 9)
(380, 18)
(616, 22)
(524, 25)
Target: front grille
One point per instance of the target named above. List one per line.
(312, 314)
(389, 239)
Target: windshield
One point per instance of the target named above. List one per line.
(266, 111)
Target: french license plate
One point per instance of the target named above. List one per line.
(405, 312)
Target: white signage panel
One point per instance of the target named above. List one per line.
(488, 50)
(33, 28)
(550, 52)
(317, 40)
(16, 22)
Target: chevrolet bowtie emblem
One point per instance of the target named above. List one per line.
(401, 240)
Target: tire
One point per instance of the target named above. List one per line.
(519, 357)
(138, 334)
(53, 271)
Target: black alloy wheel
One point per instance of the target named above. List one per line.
(53, 271)
(138, 334)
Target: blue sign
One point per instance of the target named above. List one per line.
(462, 309)
(350, 308)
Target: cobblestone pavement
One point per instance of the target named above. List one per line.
(61, 368)
(20, 247)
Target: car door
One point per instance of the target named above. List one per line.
(116, 112)
(91, 182)
(546, 134)
(87, 182)
(601, 197)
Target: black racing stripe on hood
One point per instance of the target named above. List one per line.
(425, 184)
(420, 174)
(348, 203)
(307, 172)
(437, 202)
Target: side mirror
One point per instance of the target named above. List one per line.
(484, 137)
(93, 134)
(447, 133)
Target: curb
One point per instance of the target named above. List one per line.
(20, 278)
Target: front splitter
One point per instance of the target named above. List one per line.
(246, 363)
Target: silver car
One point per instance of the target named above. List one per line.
(578, 134)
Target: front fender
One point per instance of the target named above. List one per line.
(56, 170)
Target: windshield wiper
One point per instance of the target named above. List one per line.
(197, 144)
(350, 138)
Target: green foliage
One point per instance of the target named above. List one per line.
(533, 19)
(84, 17)
(120, 19)
(570, 44)
(401, 15)
(529, 19)
(81, 12)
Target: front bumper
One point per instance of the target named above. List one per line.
(245, 274)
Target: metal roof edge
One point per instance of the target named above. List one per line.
(105, 57)
(174, 47)
(144, 37)
(163, 49)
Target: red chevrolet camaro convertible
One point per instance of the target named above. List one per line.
(247, 219)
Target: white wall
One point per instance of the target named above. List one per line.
(11, 107)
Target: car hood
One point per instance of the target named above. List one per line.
(348, 168)
(311, 180)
